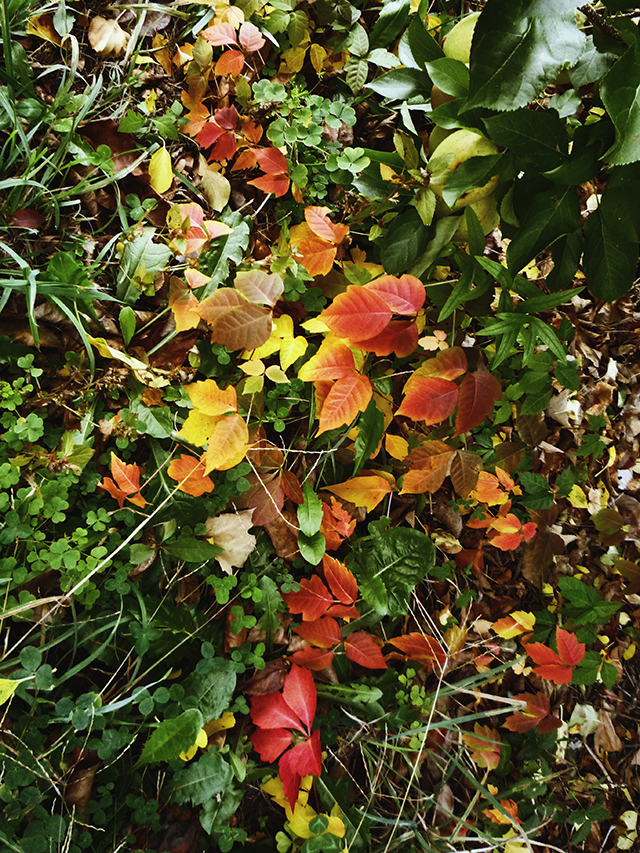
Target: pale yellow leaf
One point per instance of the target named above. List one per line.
(231, 532)
(317, 55)
(276, 375)
(577, 497)
(107, 37)
(291, 349)
(7, 689)
(215, 187)
(160, 171)
(255, 367)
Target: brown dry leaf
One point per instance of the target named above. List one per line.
(268, 680)
(78, 791)
(231, 532)
(538, 555)
(107, 37)
(152, 397)
(465, 468)
(605, 737)
(42, 27)
(284, 535)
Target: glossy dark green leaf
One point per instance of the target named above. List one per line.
(610, 260)
(519, 47)
(474, 172)
(565, 253)
(450, 75)
(592, 65)
(620, 92)
(370, 430)
(536, 136)
(417, 46)
(312, 548)
(389, 23)
(401, 83)
(405, 241)
(193, 550)
(552, 215)
(201, 781)
(310, 512)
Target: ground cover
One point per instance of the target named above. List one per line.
(319, 407)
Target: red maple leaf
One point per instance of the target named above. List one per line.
(557, 667)
(274, 715)
(536, 714)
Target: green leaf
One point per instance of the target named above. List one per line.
(619, 203)
(566, 254)
(406, 239)
(356, 72)
(591, 66)
(474, 172)
(519, 48)
(193, 550)
(538, 137)
(450, 75)
(610, 259)
(211, 694)
(546, 302)
(358, 41)
(202, 780)
(297, 27)
(585, 607)
(401, 83)
(359, 696)
(140, 252)
(218, 811)
(312, 548)
(417, 46)
(552, 215)
(270, 604)
(310, 512)
(173, 737)
(620, 92)
(127, 321)
(390, 22)
(460, 293)
(226, 249)
(537, 493)
(389, 564)
(370, 430)
(444, 231)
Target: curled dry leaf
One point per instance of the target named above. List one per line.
(231, 532)
(107, 37)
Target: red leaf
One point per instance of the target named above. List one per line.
(343, 611)
(209, 134)
(361, 648)
(271, 161)
(403, 295)
(342, 581)
(478, 393)
(337, 525)
(348, 396)
(271, 711)
(312, 600)
(276, 184)
(305, 759)
(429, 399)
(224, 148)
(570, 650)
(26, 218)
(399, 337)
(421, 648)
(323, 632)
(314, 659)
(533, 716)
(300, 694)
(226, 117)
(230, 64)
(357, 314)
(271, 743)
(557, 667)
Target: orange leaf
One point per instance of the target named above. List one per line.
(478, 393)
(337, 524)
(362, 649)
(399, 337)
(488, 490)
(485, 745)
(219, 303)
(323, 632)
(343, 583)
(228, 443)
(126, 476)
(230, 63)
(430, 463)
(117, 494)
(348, 396)
(272, 161)
(211, 400)
(276, 184)
(314, 659)
(430, 399)
(316, 255)
(318, 221)
(366, 491)
(333, 360)
(403, 295)
(189, 472)
(357, 314)
(421, 647)
(495, 815)
(184, 305)
(312, 600)
(447, 364)
(245, 160)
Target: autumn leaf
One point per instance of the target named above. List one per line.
(312, 600)
(250, 37)
(107, 38)
(477, 394)
(399, 337)
(367, 490)
(484, 744)
(337, 524)
(447, 364)
(209, 399)
(184, 305)
(230, 531)
(341, 580)
(333, 360)
(127, 483)
(518, 622)
(362, 649)
(227, 444)
(314, 659)
(348, 396)
(319, 222)
(430, 464)
(421, 648)
(323, 632)
(276, 177)
(509, 806)
(429, 399)
(403, 295)
(160, 170)
(259, 287)
(507, 532)
(536, 714)
(557, 667)
(189, 473)
(357, 314)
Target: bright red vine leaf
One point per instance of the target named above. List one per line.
(557, 667)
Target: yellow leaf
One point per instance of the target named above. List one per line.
(518, 622)
(577, 498)
(276, 375)
(366, 491)
(107, 351)
(150, 101)
(7, 689)
(292, 60)
(228, 443)
(255, 367)
(107, 37)
(314, 325)
(160, 171)
(198, 427)
(226, 721)
(161, 54)
(291, 349)
(211, 399)
(396, 446)
(42, 26)
(317, 55)
(253, 385)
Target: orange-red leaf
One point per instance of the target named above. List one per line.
(362, 649)
(535, 715)
(448, 364)
(126, 476)
(271, 160)
(557, 667)
(333, 360)
(485, 745)
(316, 255)
(358, 314)
(429, 399)
(318, 221)
(403, 295)
(478, 393)
(421, 647)
(341, 580)
(312, 600)
(189, 473)
(230, 63)
(314, 659)
(337, 525)
(347, 397)
(276, 184)
(323, 632)
(570, 650)
(399, 337)
(117, 494)
(430, 465)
